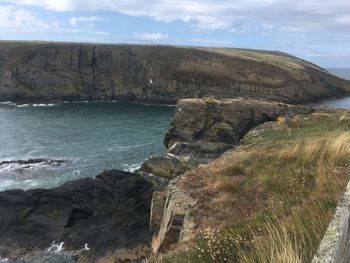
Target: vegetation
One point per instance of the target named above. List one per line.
(272, 198)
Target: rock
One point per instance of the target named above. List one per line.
(166, 167)
(34, 161)
(173, 206)
(108, 212)
(44, 71)
(157, 208)
(203, 129)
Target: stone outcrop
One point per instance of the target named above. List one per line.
(44, 71)
(203, 129)
(171, 218)
(164, 166)
(109, 212)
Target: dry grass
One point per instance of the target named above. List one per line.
(271, 199)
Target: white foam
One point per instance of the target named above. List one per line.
(21, 105)
(133, 167)
(59, 249)
(44, 105)
(6, 102)
(55, 248)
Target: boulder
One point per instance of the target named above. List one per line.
(167, 167)
(108, 212)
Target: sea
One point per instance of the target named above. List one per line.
(45, 145)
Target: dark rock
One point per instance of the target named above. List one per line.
(44, 71)
(34, 161)
(166, 167)
(203, 129)
(108, 212)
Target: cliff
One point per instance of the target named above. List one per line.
(278, 184)
(44, 71)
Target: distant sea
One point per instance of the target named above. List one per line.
(343, 102)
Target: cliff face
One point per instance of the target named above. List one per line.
(203, 129)
(33, 71)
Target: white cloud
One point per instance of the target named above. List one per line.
(22, 20)
(151, 36)
(14, 19)
(291, 15)
(74, 21)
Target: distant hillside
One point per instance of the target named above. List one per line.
(44, 71)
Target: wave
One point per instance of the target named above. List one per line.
(13, 104)
(133, 167)
(44, 105)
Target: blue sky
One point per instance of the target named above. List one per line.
(315, 30)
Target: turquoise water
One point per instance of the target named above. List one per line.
(88, 137)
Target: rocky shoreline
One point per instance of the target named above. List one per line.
(135, 212)
(130, 216)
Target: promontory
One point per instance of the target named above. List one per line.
(48, 71)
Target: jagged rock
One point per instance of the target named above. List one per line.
(44, 71)
(203, 129)
(166, 167)
(157, 209)
(173, 206)
(108, 212)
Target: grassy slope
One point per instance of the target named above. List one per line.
(271, 199)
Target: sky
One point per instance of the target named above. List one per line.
(315, 30)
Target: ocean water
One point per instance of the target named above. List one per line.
(342, 102)
(78, 140)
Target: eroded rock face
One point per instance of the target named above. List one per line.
(170, 217)
(108, 212)
(203, 129)
(34, 71)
